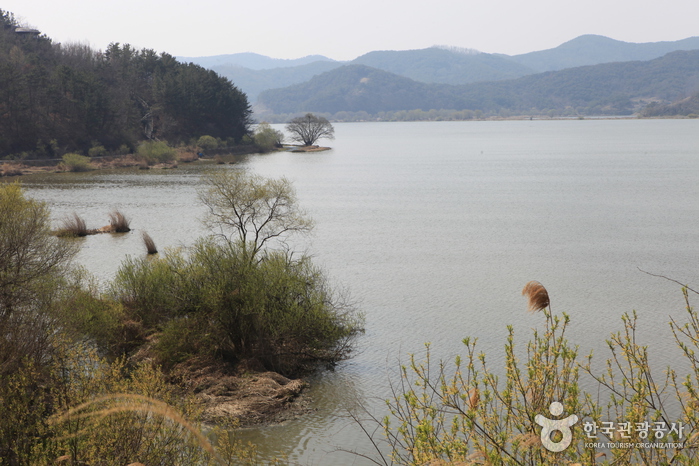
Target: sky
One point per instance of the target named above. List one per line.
(346, 30)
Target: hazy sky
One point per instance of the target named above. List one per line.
(345, 30)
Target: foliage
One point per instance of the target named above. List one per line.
(153, 152)
(472, 413)
(688, 107)
(267, 138)
(214, 302)
(97, 151)
(83, 98)
(252, 210)
(61, 401)
(32, 260)
(83, 410)
(309, 128)
(207, 142)
(76, 162)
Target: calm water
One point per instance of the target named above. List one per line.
(436, 227)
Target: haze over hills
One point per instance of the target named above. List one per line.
(443, 65)
(593, 49)
(253, 61)
(612, 88)
(254, 73)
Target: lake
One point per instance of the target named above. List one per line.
(435, 227)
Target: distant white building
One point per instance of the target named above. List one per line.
(27, 31)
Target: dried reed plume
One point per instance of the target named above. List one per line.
(119, 222)
(150, 244)
(473, 398)
(124, 402)
(73, 225)
(537, 296)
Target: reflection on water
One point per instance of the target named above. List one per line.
(435, 228)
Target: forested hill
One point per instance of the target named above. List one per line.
(613, 88)
(56, 98)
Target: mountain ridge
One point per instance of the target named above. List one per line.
(611, 88)
(437, 64)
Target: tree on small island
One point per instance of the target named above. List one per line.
(309, 128)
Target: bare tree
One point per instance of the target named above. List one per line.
(309, 128)
(252, 209)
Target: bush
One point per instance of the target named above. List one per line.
(207, 142)
(214, 301)
(152, 152)
(97, 151)
(267, 138)
(76, 162)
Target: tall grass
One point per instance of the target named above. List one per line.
(119, 222)
(73, 225)
(149, 243)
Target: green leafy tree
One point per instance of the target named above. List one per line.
(267, 137)
(309, 128)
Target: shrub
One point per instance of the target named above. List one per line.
(207, 142)
(267, 138)
(97, 151)
(152, 152)
(214, 301)
(76, 162)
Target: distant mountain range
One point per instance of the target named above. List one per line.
(418, 76)
(607, 89)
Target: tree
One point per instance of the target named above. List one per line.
(30, 256)
(309, 128)
(252, 209)
(267, 137)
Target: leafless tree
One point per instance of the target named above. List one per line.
(309, 128)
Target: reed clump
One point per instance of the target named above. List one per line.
(119, 222)
(149, 243)
(73, 226)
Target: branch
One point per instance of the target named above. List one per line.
(667, 278)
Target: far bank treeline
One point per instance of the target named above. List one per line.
(56, 98)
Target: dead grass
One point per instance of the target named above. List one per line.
(537, 296)
(119, 222)
(73, 225)
(150, 244)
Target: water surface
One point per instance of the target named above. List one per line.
(435, 227)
